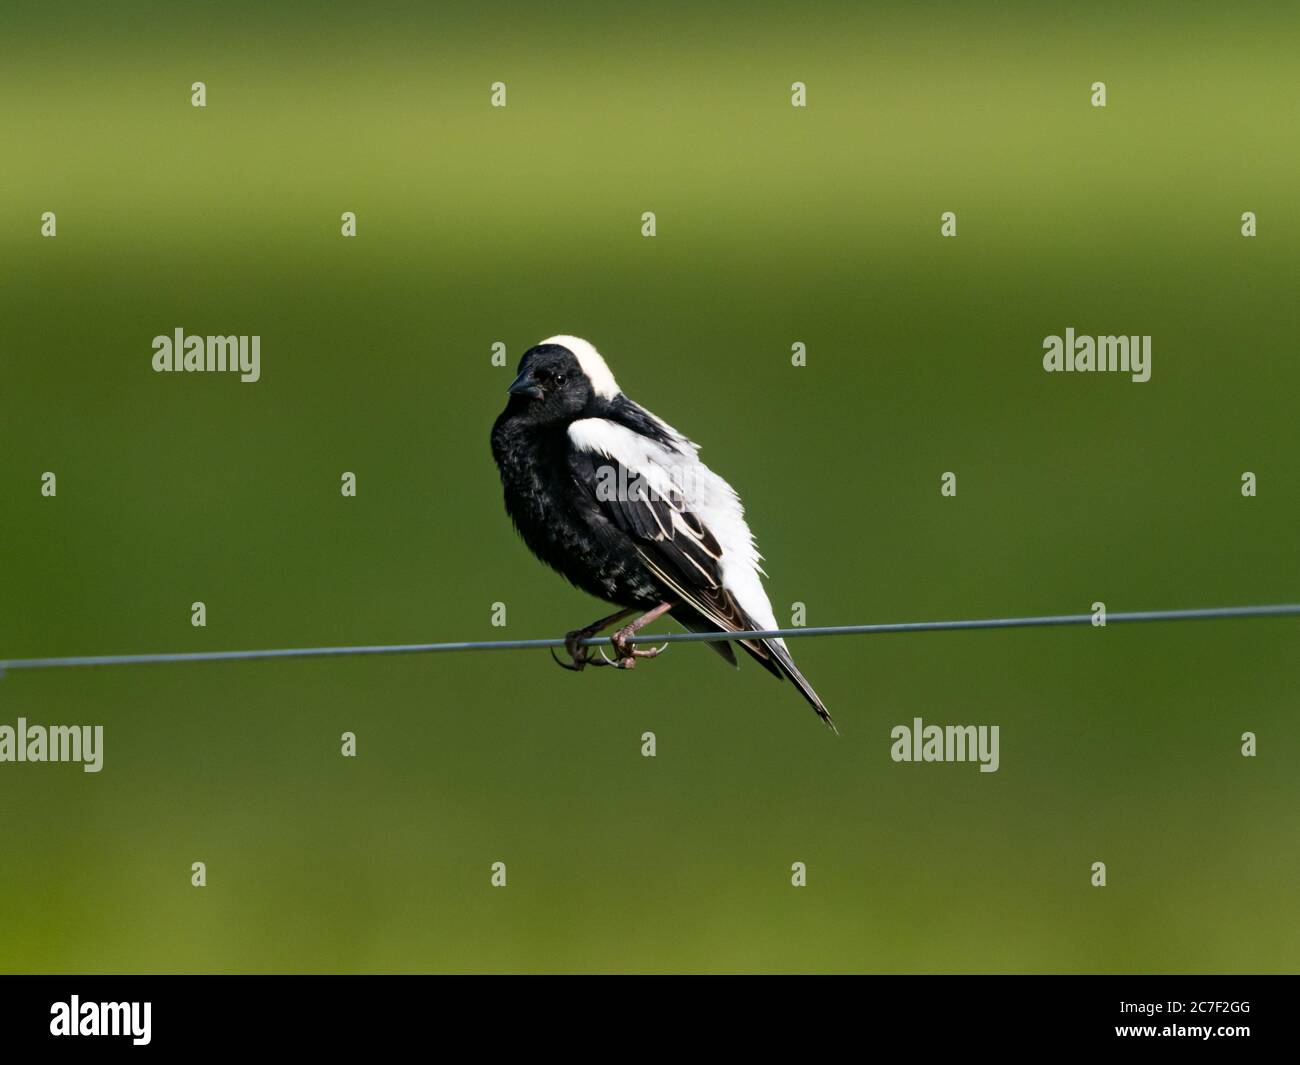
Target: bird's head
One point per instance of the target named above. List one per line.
(560, 379)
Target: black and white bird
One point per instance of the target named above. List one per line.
(619, 502)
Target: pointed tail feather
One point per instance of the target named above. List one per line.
(787, 666)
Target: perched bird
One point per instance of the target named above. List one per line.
(619, 502)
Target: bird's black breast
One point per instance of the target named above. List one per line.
(556, 514)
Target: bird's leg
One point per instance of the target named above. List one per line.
(580, 653)
(625, 654)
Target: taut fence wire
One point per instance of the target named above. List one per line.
(879, 629)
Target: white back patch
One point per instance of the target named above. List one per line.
(592, 364)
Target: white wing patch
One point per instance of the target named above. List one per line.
(711, 499)
(593, 365)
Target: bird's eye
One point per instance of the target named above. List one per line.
(557, 380)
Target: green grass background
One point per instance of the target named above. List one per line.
(774, 225)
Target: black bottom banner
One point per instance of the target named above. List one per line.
(144, 1014)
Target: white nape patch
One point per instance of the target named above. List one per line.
(707, 496)
(592, 364)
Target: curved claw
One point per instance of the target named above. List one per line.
(564, 665)
(608, 661)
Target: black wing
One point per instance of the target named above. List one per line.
(676, 546)
(681, 551)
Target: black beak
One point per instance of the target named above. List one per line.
(523, 385)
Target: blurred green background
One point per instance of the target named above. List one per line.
(775, 225)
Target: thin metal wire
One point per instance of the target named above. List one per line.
(1206, 613)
